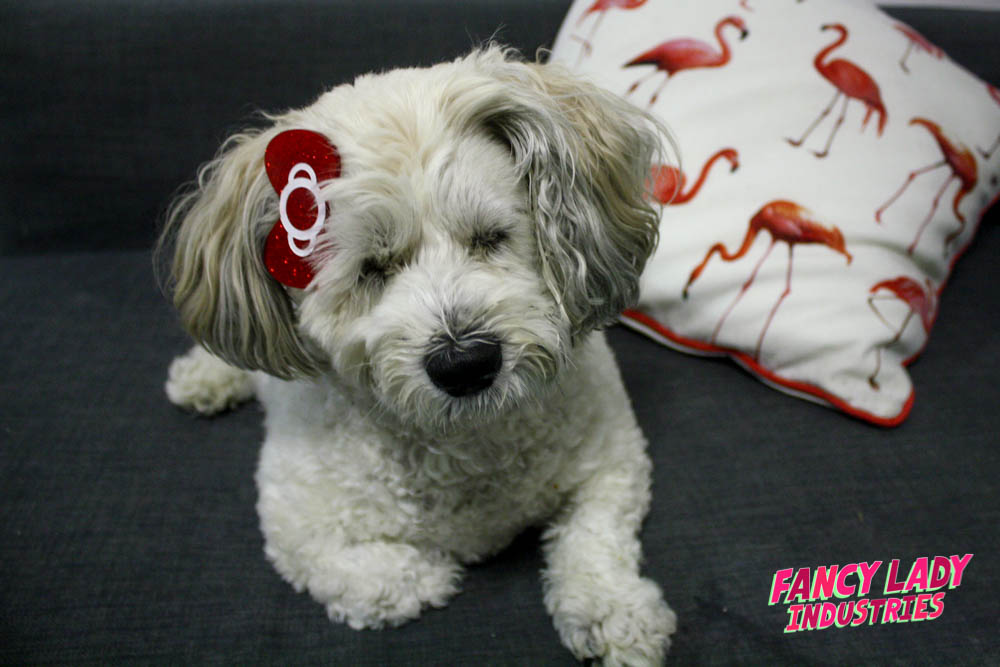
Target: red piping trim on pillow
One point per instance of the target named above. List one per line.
(647, 325)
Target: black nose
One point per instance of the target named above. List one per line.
(465, 366)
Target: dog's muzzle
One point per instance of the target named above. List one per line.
(465, 366)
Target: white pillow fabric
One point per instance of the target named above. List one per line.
(835, 165)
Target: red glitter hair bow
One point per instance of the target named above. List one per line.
(297, 163)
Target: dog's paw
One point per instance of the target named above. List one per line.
(202, 382)
(378, 584)
(393, 603)
(621, 625)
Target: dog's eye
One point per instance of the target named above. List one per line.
(372, 272)
(487, 241)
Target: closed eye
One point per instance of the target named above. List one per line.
(372, 272)
(488, 241)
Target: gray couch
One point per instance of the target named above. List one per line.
(127, 527)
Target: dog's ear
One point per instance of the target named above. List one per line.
(221, 289)
(586, 155)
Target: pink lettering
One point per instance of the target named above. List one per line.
(800, 586)
(892, 606)
(917, 579)
(876, 605)
(891, 585)
(779, 584)
(810, 616)
(938, 602)
(940, 573)
(860, 612)
(958, 567)
(845, 610)
(906, 612)
(824, 582)
(867, 574)
(843, 590)
(793, 618)
(828, 615)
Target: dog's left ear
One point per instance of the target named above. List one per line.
(586, 156)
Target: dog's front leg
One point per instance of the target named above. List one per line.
(378, 584)
(601, 607)
(366, 584)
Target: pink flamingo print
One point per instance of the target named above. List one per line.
(600, 7)
(995, 94)
(787, 222)
(961, 164)
(668, 182)
(682, 54)
(920, 300)
(851, 82)
(918, 41)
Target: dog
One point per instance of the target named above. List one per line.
(411, 275)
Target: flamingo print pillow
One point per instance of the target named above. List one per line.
(834, 165)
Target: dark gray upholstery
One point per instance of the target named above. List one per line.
(127, 528)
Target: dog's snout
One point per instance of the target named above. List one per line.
(465, 366)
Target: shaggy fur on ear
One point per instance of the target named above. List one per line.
(586, 155)
(225, 298)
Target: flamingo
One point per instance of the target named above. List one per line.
(921, 301)
(915, 39)
(601, 8)
(684, 53)
(787, 222)
(850, 81)
(962, 163)
(669, 181)
(995, 94)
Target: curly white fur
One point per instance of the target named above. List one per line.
(202, 382)
(376, 481)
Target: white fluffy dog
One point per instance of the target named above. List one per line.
(441, 382)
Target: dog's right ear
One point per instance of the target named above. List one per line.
(221, 288)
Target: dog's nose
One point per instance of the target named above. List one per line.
(465, 366)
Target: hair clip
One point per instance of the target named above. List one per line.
(297, 163)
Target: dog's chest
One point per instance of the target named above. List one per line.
(467, 496)
(346, 474)
(477, 502)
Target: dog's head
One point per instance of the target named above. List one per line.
(487, 214)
